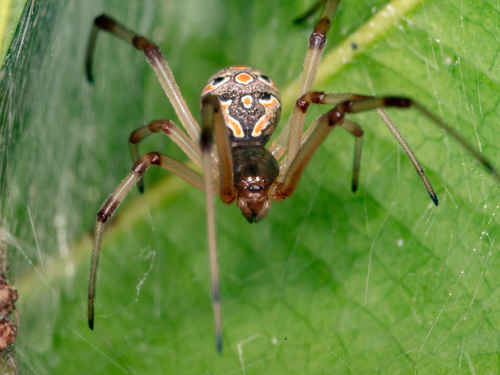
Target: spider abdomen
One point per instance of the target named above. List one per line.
(250, 104)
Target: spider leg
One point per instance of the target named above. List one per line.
(212, 123)
(286, 183)
(440, 123)
(297, 119)
(169, 128)
(314, 136)
(357, 132)
(111, 204)
(289, 139)
(317, 43)
(317, 97)
(155, 59)
(290, 175)
(378, 103)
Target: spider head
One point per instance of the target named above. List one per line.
(252, 198)
(255, 170)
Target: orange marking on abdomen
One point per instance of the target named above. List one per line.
(243, 78)
(247, 101)
(236, 128)
(208, 88)
(231, 123)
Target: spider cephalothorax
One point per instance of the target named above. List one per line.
(255, 170)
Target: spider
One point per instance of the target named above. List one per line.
(240, 108)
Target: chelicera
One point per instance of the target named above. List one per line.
(240, 108)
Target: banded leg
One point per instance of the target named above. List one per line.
(212, 123)
(169, 128)
(289, 177)
(289, 138)
(298, 117)
(322, 127)
(317, 42)
(155, 59)
(317, 97)
(377, 104)
(111, 205)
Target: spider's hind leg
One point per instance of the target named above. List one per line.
(155, 59)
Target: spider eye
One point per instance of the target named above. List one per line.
(266, 80)
(217, 80)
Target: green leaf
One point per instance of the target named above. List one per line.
(10, 14)
(377, 281)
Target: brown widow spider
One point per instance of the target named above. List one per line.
(240, 106)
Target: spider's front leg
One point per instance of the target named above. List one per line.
(288, 139)
(155, 59)
(111, 204)
(290, 174)
(316, 134)
(349, 103)
(212, 122)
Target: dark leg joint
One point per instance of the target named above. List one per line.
(317, 41)
(102, 217)
(104, 22)
(145, 45)
(392, 101)
(206, 140)
(166, 126)
(107, 210)
(134, 138)
(358, 132)
(143, 163)
(305, 100)
(347, 106)
(322, 26)
(206, 137)
(154, 158)
(317, 97)
(318, 38)
(335, 116)
(211, 100)
(302, 104)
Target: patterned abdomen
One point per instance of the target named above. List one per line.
(250, 104)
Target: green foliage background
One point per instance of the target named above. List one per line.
(330, 282)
